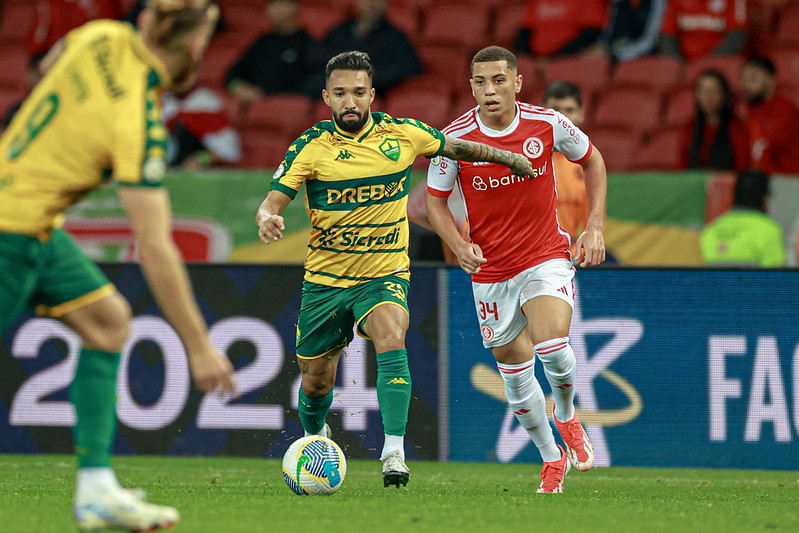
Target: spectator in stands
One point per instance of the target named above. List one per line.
(771, 119)
(745, 235)
(392, 54)
(565, 97)
(700, 28)
(555, 27)
(276, 62)
(200, 133)
(715, 138)
(632, 29)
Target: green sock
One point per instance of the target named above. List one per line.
(313, 411)
(93, 393)
(394, 390)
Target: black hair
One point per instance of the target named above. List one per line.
(352, 60)
(763, 63)
(563, 89)
(751, 188)
(722, 154)
(495, 53)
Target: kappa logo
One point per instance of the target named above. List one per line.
(344, 155)
(397, 381)
(533, 147)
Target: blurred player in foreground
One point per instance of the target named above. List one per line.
(96, 114)
(519, 259)
(355, 169)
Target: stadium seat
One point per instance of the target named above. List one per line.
(13, 66)
(16, 19)
(660, 152)
(786, 61)
(245, 20)
(285, 114)
(426, 83)
(634, 109)
(617, 146)
(8, 98)
(215, 64)
(262, 149)
(452, 23)
(788, 25)
(507, 23)
(319, 19)
(429, 107)
(657, 72)
(728, 66)
(405, 18)
(528, 68)
(680, 106)
(589, 74)
(450, 62)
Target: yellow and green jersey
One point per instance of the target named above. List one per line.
(743, 237)
(356, 196)
(96, 114)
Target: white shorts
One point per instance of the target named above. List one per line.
(499, 305)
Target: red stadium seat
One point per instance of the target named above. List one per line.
(245, 18)
(786, 61)
(660, 152)
(262, 149)
(215, 64)
(13, 66)
(617, 146)
(431, 107)
(507, 23)
(634, 109)
(657, 72)
(319, 19)
(16, 19)
(529, 69)
(680, 106)
(286, 115)
(788, 25)
(8, 98)
(450, 62)
(452, 23)
(404, 17)
(589, 74)
(728, 66)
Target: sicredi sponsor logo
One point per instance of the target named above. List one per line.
(365, 193)
(354, 238)
(484, 183)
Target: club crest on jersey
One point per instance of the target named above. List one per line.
(533, 147)
(390, 148)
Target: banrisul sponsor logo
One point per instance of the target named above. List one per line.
(366, 193)
(390, 148)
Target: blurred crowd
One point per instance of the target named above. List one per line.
(664, 84)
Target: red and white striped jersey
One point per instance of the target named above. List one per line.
(513, 220)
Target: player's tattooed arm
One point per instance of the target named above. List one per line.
(462, 150)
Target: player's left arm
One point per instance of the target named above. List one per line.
(462, 150)
(590, 245)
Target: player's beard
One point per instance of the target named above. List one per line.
(351, 126)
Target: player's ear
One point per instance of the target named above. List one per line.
(519, 81)
(326, 98)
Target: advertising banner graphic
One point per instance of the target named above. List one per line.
(683, 368)
(251, 312)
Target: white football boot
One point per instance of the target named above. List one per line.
(126, 510)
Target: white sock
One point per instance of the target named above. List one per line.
(560, 368)
(92, 483)
(526, 400)
(393, 443)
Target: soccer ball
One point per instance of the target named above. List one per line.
(314, 465)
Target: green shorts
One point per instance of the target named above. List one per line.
(328, 314)
(52, 278)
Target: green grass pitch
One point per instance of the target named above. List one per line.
(231, 495)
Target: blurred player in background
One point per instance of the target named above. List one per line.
(522, 273)
(355, 169)
(566, 98)
(96, 115)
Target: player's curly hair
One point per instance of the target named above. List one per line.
(175, 18)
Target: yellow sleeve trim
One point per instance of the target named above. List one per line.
(82, 301)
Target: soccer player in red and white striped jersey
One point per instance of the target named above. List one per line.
(517, 253)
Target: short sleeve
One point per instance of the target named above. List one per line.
(427, 140)
(570, 140)
(441, 176)
(293, 171)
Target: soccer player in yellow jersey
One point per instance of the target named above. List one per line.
(96, 115)
(356, 169)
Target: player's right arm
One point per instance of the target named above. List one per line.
(268, 219)
(462, 150)
(149, 211)
(441, 176)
